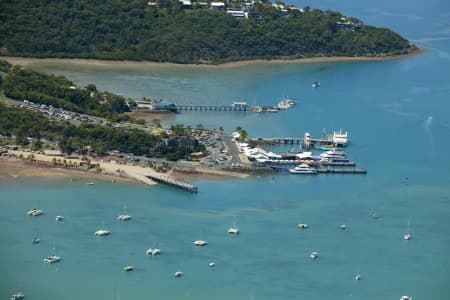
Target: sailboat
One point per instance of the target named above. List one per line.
(234, 229)
(407, 235)
(35, 211)
(52, 258)
(358, 275)
(153, 251)
(125, 216)
(102, 232)
(17, 296)
(35, 239)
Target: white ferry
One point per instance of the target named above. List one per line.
(340, 138)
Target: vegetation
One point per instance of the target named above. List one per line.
(133, 30)
(32, 126)
(26, 84)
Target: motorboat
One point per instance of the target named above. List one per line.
(333, 154)
(303, 169)
(35, 212)
(35, 240)
(357, 277)
(302, 226)
(59, 218)
(406, 298)
(343, 226)
(153, 251)
(124, 218)
(313, 255)
(316, 84)
(17, 296)
(212, 264)
(52, 259)
(178, 274)
(90, 183)
(102, 232)
(340, 138)
(200, 243)
(128, 268)
(286, 103)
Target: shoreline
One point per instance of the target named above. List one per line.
(27, 61)
(14, 168)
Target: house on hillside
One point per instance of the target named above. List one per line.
(218, 5)
(236, 13)
(187, 4)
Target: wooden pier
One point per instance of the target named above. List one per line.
(330, 170)
(173, 182)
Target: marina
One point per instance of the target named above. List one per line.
(384, 105)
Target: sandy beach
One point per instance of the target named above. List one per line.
(17, 168)
(42, 167)
(28, 61)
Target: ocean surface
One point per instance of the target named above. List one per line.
(397, 115)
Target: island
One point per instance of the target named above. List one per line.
(188, 31)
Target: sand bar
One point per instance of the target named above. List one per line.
(29, 61)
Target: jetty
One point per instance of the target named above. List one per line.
(163, 179)
(289, 140)
(236, 106)
(331, 170)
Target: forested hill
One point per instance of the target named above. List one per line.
(164, 30)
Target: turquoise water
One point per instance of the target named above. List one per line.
(386, 107)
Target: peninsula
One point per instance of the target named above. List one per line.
(188, 32)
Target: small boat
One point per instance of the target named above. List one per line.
(212, 264)
(35, 212)
(153, 251)
(343, 226)
(35, 240)
(124, 218)
(302, 226)
(357, 277)
(286, 103)
(17, 296)
(59, 218)
(407, 235)
(200, 243)
(178, 274)
(313, 255)
(303, 169)
(128, 268)
(52, 258)
(90, 183)
(375, 215)
(234, 229)
(406, 298)
(316, 84)
(102, 232)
